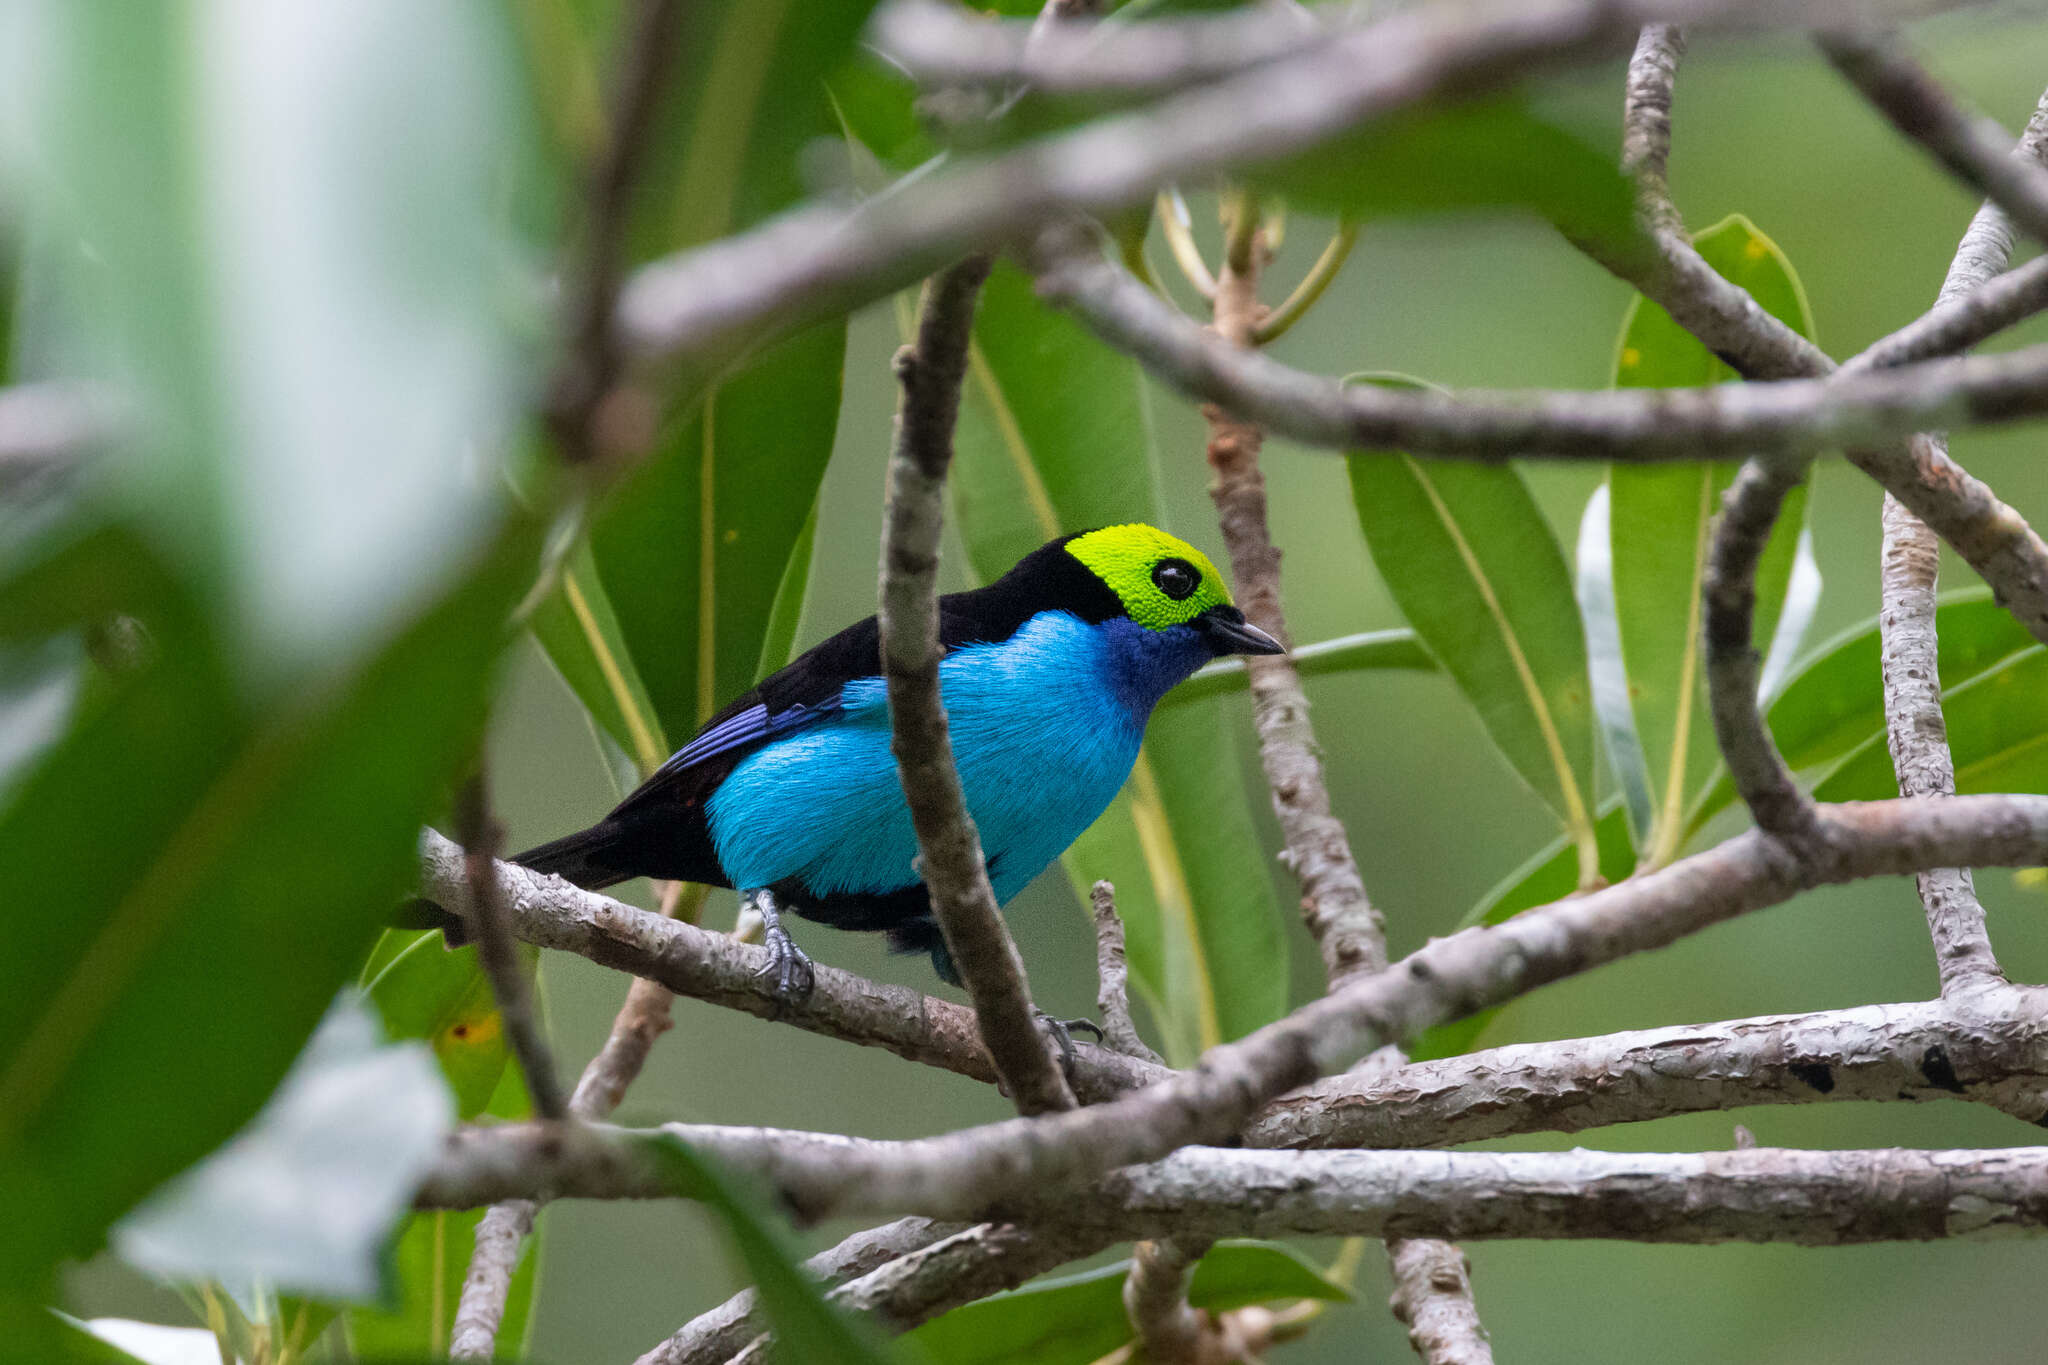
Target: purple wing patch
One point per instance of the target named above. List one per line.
(736, 731)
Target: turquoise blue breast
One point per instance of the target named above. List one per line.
(1045, 727)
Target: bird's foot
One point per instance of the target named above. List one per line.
(1061, 1031)
(788, 973)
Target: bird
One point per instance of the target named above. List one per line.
(1048, 675)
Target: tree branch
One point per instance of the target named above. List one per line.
(1988, 1045)
(966, 1172)
(1433, 1296)
(950, 857)
(693, 962)
(1786, 418)
(1757, 1194)
(1969, 146)
(1113, 976)
(1169, 1332)
(1910, 561)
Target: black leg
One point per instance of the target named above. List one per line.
(788, 971)
(1063, 1038)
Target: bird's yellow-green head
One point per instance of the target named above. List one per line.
(1160, 579)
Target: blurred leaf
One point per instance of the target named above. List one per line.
(1661, 518)
(575, 624)
(1834, 703)
(748, 100)
(1795, 618)
(1997, 730)
(429, 1258)
(281, 230)
(1611, 705)
(1550, 875)
(806, 1327)
(1055, 436)
(128, 1342)
(215, 849)
(1467, 555)
(442, 997)
(778, 645)
(305, 1196)
(1493, 153)
(694, 549)
(39, 690)
(1080, 1318)
(1345, 654)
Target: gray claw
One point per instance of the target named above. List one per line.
(1063, 1038)
(788, 969)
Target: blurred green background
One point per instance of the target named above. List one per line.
(1763, 128)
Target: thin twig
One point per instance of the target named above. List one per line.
(1728, 590)
(497, 952)
(1971, 147)
(1646, 125)
(1909, 566)
(1156, 1299)
(583, 384)
(1433, 1296)
(716, 1336)
(1113, 977)
(930, 372)
(1277, 321)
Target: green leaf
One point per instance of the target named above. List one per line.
(428, 1259)
(1550, 875)
(39, 692)
(1055, 436)
(694, 549)
(1080, 1318)
(323, 337)
(806, 1326)
(204, 822)
(778, 645)
(577, 627)
(1467, 555)
(1834, 703)
(1346, 654)
(1660, 520)
(444, 999)
(1487, 154)
(1997, 730)
(304, 1197)
(748, 97)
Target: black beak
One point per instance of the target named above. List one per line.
(1230, 633)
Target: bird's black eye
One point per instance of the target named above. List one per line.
(1176, 578)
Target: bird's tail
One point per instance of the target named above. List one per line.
(587, 857)
(584, 858)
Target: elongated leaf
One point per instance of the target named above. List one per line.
(1660, 522)
(305, 1196)
(577, 627)
(1834, 703)
(1487, 154)
(1997, 730)
(1603, 660)
(1055, 436)
(1467, 555)
(1081, 1318)
(443, 999)
(204, 823)
(806, 1326)
(1550, 875)
(1346, 654)
(693, 551)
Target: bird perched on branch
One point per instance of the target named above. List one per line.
(1049, 674)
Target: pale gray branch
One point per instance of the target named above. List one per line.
(1113, 977)
(1169, 1332)
(552, 913)
(1433, 1296)
(1988, 1044)
(950, 859)
(1756, 1194)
